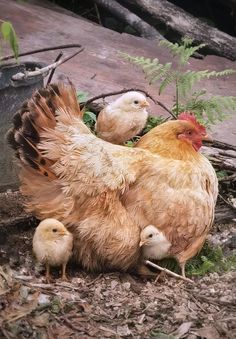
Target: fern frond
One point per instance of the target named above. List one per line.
(170, 77)
(152, 68)
(188, 79)
(209, 110)
(183, 50)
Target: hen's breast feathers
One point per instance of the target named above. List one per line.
(176, 196)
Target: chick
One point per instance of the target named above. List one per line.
(154, 243)
(122, 119)
(52, 245)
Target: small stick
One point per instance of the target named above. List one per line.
(40, 50)
(102, 96)
(21, 76)
(53, 70)
(168, 271)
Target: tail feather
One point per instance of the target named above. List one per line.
(39, 117)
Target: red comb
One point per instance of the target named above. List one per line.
(188, 116)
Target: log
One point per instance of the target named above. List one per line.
(177, 20)
(222, 159)
(143, 28)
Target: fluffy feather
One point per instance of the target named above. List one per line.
(106, 193)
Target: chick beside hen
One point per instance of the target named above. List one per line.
(105, 193)
(52, 245)
(122, 119)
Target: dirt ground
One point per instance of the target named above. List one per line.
(110, 305)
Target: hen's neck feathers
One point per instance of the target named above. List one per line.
(163, 141)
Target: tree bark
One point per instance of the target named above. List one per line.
(143, 28)
(185, 24)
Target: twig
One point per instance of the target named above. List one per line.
(53, 70)
(106, 329)
(226, 201)
(69, 324)
(40, 50)
(175, 275)
(21, 76)
(109, 94)
(94, 280)
(220, 145)
(98, 14)
(228, 178)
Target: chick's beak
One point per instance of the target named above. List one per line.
(62, 233)
(141, 243)
(144, 104)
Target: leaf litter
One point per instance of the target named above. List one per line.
(109, 305)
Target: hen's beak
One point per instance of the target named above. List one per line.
(207, 137)
(144, 104)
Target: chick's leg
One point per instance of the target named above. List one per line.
(48, 276)
(63, 276)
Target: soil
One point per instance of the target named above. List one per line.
(110, 305)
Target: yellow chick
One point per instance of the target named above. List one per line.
(154, 243)
(122, 119)
(52, 245)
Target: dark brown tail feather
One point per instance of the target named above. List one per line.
(35, 116)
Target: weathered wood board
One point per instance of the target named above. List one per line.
(99, 68)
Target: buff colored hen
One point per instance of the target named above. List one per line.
(122, 119)
(105, 193)
(52, 245)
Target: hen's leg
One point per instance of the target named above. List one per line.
(182, 266)
(63, 276)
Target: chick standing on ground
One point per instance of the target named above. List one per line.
(52, 245)
(122, 119)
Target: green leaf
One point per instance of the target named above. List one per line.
(82, 96)
(90, 116)
(9, 35)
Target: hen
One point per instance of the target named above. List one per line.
(52, 245)
(123, 119)
(106, 193)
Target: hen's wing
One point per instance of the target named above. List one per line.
(60, 158)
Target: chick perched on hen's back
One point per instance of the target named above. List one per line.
(52, 245)
(122, 119)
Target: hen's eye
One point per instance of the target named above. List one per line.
(150, 235)
(136, 102)
(54, 230)
(189, 132)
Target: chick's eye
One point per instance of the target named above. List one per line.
(136, 102)
(54, 230)
(150, 235)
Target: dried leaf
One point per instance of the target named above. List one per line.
(182, 330)
(41, 320)
(208, 332)
(123, 330)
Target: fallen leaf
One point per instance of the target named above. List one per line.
(41, 320)
(208, 332)
(182, 330)
(123, 330)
